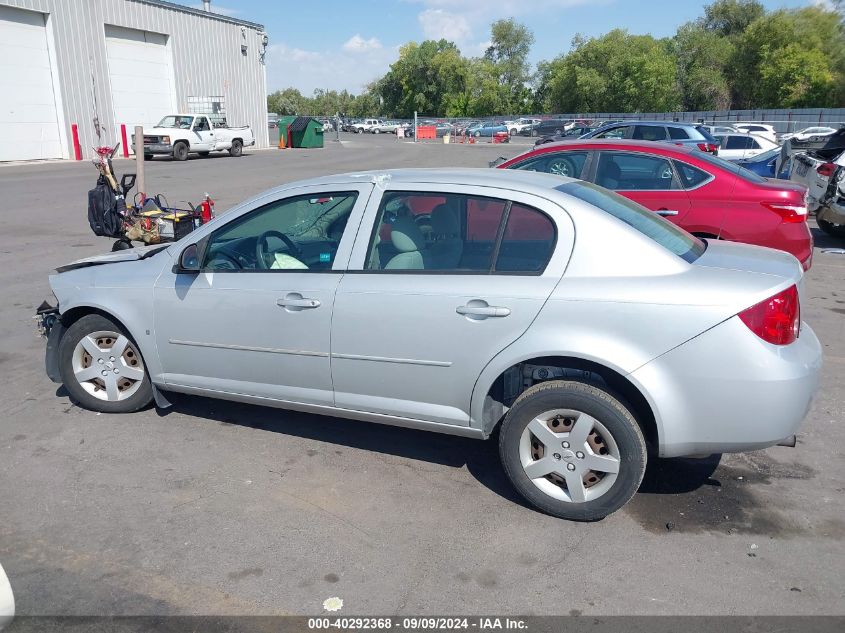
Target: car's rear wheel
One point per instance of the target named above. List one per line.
(572, 450)
(237, 148)
(835, 230)
(102, 368)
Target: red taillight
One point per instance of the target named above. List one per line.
(777, 319)
(710, 148)
(826, 169)
(790, 213)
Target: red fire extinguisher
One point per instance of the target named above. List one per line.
(207, 209)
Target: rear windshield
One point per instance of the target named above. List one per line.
(706, 134)
(686, 246)
(727, 165)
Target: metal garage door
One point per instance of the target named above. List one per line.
(141, 77)
(29, 124)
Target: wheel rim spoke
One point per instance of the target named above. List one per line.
(132, 373)
(119, 346)
(88, 373)
(602, 463)
(583, 426)
(90, 346)
(543, 433)
(575, 485)
(112, 391)
(540, 468)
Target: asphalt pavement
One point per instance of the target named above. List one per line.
(220, 508)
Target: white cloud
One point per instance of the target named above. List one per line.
(357, 44)
(333, 69)
(437, 24)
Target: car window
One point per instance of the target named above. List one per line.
(201, 124)
(738, 142)
(753, 144)
(616, 132)
(669, 236)
(528, 241)
(733, 168)
(300, 233)
(691, 177)
(567, 164)
(466, 235)
(649, 133)
(622, 171)
(678, 133)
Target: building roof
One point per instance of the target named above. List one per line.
(206, 14)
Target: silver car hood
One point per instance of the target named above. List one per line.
(127, 255)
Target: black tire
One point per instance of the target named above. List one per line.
(180, 151)
(237, 148)
(360, 130)
(601, 406)
(89, 324)
(203, 154)
(834, 230)
(148, 156)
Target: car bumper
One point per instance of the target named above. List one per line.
(158, 148)
(833, 212)
(728, 391)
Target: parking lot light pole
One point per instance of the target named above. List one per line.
(415, 126)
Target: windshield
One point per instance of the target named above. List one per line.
(733, 168)
(183, 122)
(686, 246)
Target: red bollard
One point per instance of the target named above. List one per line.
(125, 144)
(77, 149)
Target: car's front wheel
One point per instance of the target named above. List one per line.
(835, 230)
(572, 450)
(102, 368)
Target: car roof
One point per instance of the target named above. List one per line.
(672, 123)
(528, 181)
(616, 143)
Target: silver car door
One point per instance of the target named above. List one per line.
(420, 313)
(257, 319)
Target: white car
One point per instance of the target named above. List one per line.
(808, 132)
(517, 127)
(178, 135)
(739, 146)
(7, 600)
(367, 125)
(758, 129)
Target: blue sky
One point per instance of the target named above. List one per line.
(335, 44)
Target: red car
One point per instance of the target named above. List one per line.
(705, 195)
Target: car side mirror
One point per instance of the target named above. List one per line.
(189, 260)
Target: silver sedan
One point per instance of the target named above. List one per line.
(589, 331)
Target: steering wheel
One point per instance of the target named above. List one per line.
(228, 260)
(262, 248)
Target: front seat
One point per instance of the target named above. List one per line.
(609, 175)
(409, 241)
(448, 247)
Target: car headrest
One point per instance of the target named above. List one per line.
(609, 169)
(406, 235)
(444, 220)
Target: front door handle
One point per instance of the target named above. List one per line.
(478, 309)
(667, 212)
(294, 302)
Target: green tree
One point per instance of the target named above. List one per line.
(617, 72)
(287, 101)
(796, 77)
(703, 57)
(510, 45)
(421, 79)
(730, 18)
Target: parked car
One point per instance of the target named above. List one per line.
(808, 132)
(588, 354)
(676, 133)
(179, 135)
(572, 133)
(385, 127)
(486, 128)
(520, 125)
(764, 164)
(366, 125)
(741, 145)
(760, 129)
(548, 127)
(704, 195)
(7, 600)
(715, 130)
(822, 171)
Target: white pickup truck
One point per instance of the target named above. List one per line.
(367, 125)
(178, 135)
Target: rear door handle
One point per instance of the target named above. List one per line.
(294, 302)
(666, 212)
(478, 309)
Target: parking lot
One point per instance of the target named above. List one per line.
(219, 508)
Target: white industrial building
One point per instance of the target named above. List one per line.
(100, 64)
